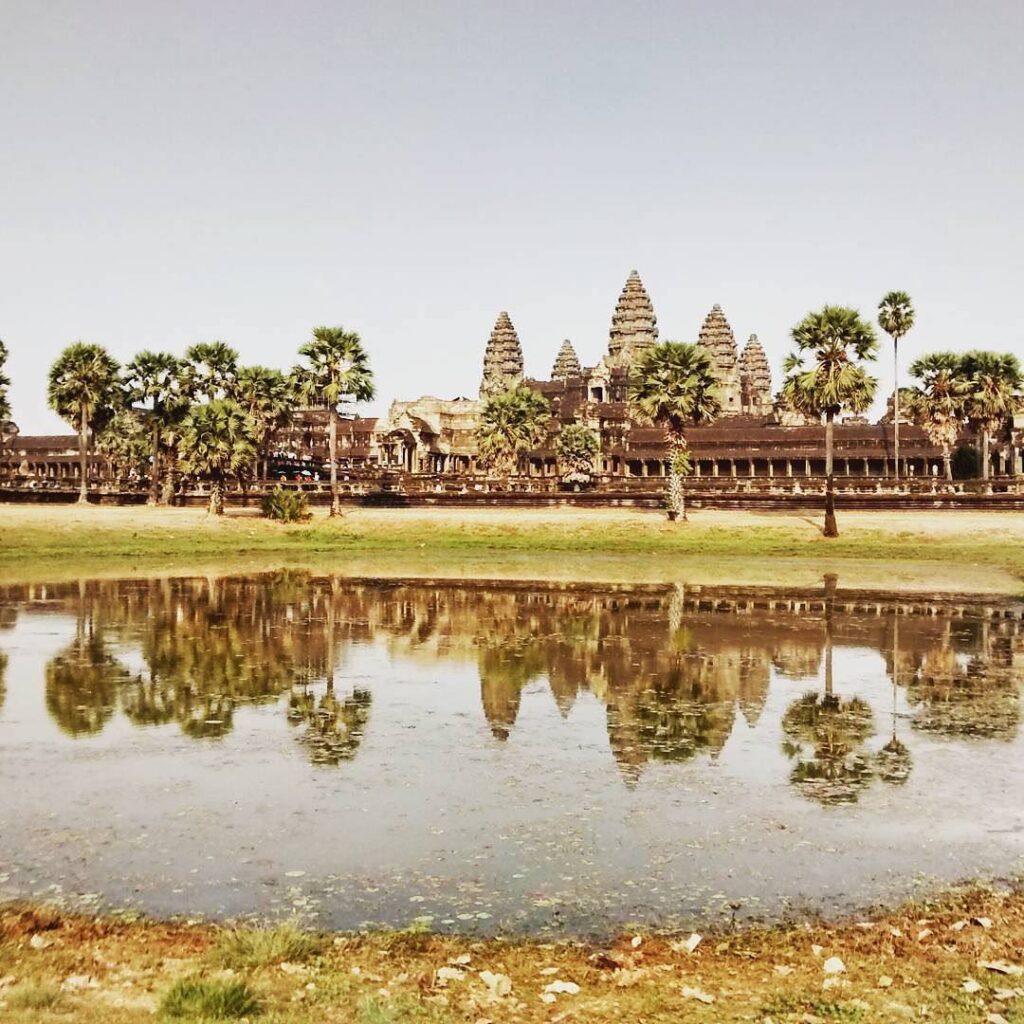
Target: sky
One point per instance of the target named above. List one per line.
(174, 172)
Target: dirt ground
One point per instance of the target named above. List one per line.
(953, 961)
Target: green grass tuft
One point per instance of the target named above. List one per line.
(33, 996)
(259, 947)
(198, 999)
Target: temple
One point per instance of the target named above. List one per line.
(755, 437)
(428, 444)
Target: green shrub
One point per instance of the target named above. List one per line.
(260, 947)
(197, 998)
(966, 463)
(286, 506)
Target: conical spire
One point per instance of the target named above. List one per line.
(634, 325)
(717, 338)
(566, 363)
(755, 373)
(503, 359)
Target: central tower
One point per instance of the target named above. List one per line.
(634, 325)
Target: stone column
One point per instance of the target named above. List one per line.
(732, 467)
(714, 467)
(771, 468)
(789, 467)
(807, 467)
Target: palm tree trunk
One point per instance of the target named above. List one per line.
(676, 497)
(83, 456)
(154, 472)
(831, 527)
(332, 449)
(216, 497)
(896, 404)
(984, 453)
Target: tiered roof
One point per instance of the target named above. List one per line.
(634, 325)
(755, 373)
(717, 339)
(503, 358)
(566, 363)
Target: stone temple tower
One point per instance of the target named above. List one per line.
(634, 325)
(567, 363)
(503, 358)
(755, 379)
(717, 339)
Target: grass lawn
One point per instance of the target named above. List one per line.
(956, 960)
(968, 551)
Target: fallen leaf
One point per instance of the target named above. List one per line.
(817, 950)
(923, 934)
(996, 1018)
(693, 942)
(971, 986)
(958, 926)
(783, 969)
(38, 942)
(1001, 967)
(635, 941)
(498, 985)
(569, 988)
(446, 974)
(695, 993)
(885, 981)
(983, 922)
(833, 965)
(548, 970)
(547, 997)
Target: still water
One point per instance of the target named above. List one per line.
(502, 757)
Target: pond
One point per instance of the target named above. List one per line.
(502, 757)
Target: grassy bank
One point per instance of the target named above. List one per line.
(956, 543)
(957, 959)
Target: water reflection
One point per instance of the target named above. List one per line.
(678, 671)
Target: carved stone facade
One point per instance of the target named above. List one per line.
(634, 325)
(567, 363)
(755, 379)
(503, 358)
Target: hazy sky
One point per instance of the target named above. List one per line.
(173, 172)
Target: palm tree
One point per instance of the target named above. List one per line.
(576, 447)
(154, 379)
(268, 398)
(84, 390)
(5, 383)
(825, 376)
(512, 423)
(896, 317)
(337, 369)
(209, 370)
(938, 404)
(216, 441)
(673, 385)
(995, 378)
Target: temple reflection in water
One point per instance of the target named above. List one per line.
(676, 669)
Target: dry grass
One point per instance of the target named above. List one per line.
(964, 551)
(911, 964)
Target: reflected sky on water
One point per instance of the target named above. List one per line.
(530, 757)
